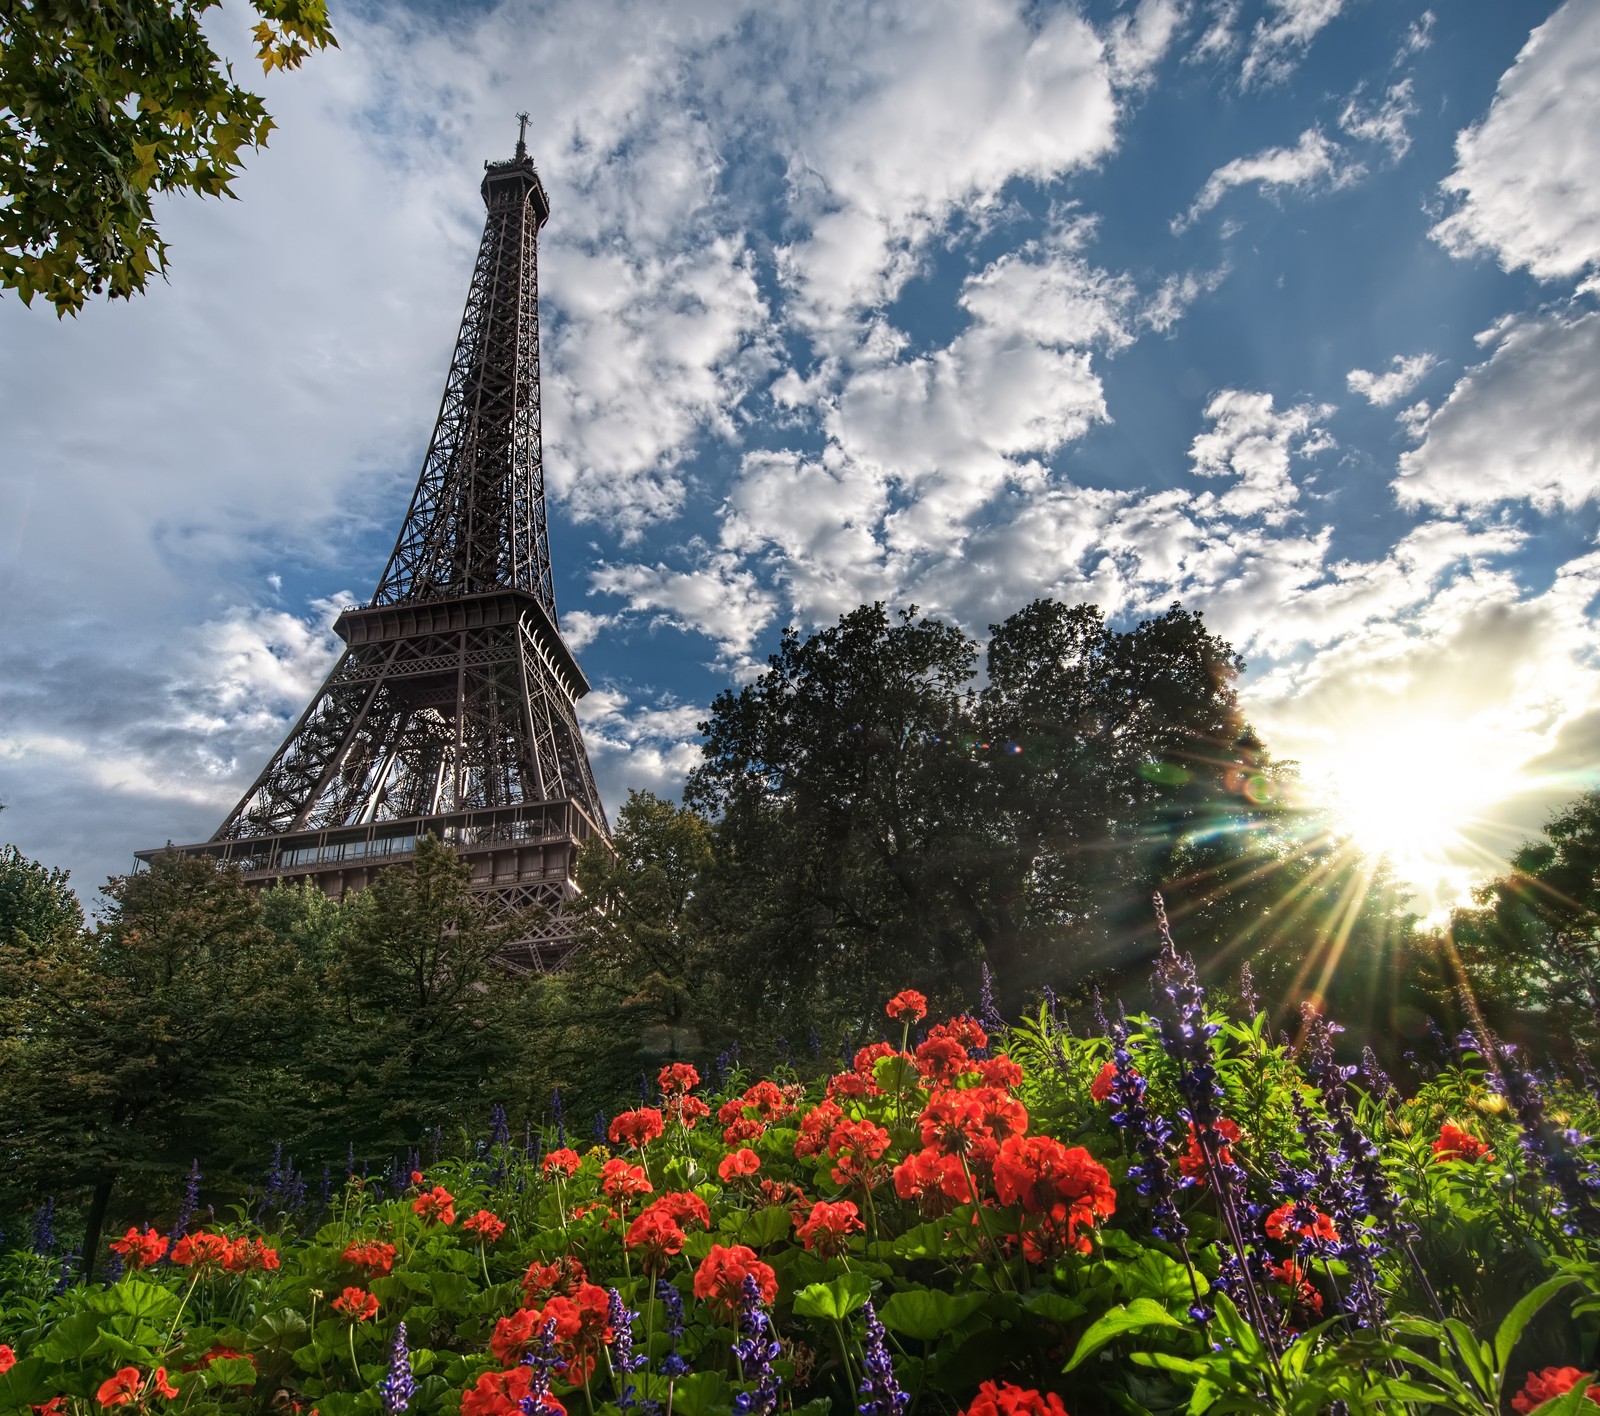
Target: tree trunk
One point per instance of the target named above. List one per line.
(99, 1203)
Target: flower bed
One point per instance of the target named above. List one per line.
(1175, 1215)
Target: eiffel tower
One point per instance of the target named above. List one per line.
(451, 710)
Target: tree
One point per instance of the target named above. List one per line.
(1528, 947)
(106, 104)
(130, 1049)
(642, 985)
(35, 899)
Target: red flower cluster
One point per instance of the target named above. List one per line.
(972, 1122)
(936, 1182)
(1007, 1399)
(1062, 1188)
(687, 1111)
(138, 1250)
(200, 1249)
(829, 1228)
(564, 1161)
(8, 1359)
(747, 1116)
(1282, 1224)
(657, 1234)
(488, 1227)
(1456, 1144)
(124, 1388)
(637, 1128)
(854, 1146)
(678, 1077)
(502, 1394)
(1104, 1080)
(1548, 1383)
(736, 1164)
(566, 1275)
(815, 1128)
(1305, 1302)
(1000, 1071)
(581, 1331)
(851, 1086)
(942, 1059)
(722, 1272)
(621, 1180)
(356, 1304)
(907, 1006)
(1192, 1163)
(374, 1256)
(438, 1205)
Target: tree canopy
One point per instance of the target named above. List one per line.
(107, 104)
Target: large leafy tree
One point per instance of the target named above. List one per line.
(35, 899)
(103, 104)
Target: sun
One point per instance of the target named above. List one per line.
(1416, 793)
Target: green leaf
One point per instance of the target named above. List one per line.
(833, 1301)
(71, 1339)
(1511, 1326)
(230, 1372)
(765, 1226)
(1054, 1307)
(927, 1314)
(698, 1393)
(1140, 1314)
(894, 1075)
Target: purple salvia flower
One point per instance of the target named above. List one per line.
(988, 1013)
(1554, 1151)
(499, 1126)
(1150, 1135)
(672, 1365)
(187, 1205)
(881, 1394)
(1377, 1080)
(44, 1227)
(112, 1270)
(398, 1385)
(623, 1363)
(1100, 1014)
(542, 1361)
(1247, 991)
(755, 1352)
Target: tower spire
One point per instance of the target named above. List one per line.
(452, 708)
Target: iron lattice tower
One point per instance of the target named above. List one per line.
(452, 709)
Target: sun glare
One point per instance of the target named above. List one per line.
(1415, 793)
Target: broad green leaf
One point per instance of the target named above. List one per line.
(765, 1226)
(894, 1074)
(698, 1393)
(1511, 1326)
(927, 1314)
(230, 1372)
(833, 1301)
(71, 1339)
(1054, 1307)
(1135, 1317)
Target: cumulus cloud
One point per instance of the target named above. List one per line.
(1281, 38)
(1136, 43)
(1524, 425)
(1524, 176)
(1405, 373)
(1313, 162)
(715, 598)
(1252, 441)
(639, 745)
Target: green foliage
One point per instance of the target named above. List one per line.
(35, 899)
(107, 104)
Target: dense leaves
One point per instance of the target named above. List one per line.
(107, 102)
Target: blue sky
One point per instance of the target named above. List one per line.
(1283, 308)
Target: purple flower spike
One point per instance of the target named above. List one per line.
(881, 1394)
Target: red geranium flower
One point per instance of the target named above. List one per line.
(936, 1182)
(1311, 1223)
(655, 1237)
(416, 1177)
(620, 1180)
(964, 1030)
(1192, 1162)
(356, 1304)
(121, 1389)
(51, 1407)
(1306, 1301)
(866, 1058)
(200, 1248)
(908, 1005)
(960, 1122)
(637, 1128)
(566, 1275)
(1000, 1072)
(745, 1128)
(1104, 1080)
(373, 1255)
(829, 1228)
(1007, 1399)
(564, 1160)
(942, 1059)
(687, 1111)
(1548, 1383)
(580, 1330)
(502, 1393)
(1066, 1188)
(851, 1085)
(678, 1077)
(487, 1226)
(815, 1128)
(1456, 1144)
(247, 1254)
(854, 1145)
(8, 1359)
(738, 1163)
(438, 1204)
(138, 1250)
(721, 1273)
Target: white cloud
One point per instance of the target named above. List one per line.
(1525, 174)
(1175, 294)
(1312, 162)
(1383, 121)
(1525, 425)
(648, 747)
(1280, 40)
(716, 598)
(1419, 36)
(1386, 388)
(1136, 43)
(1252, 441)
